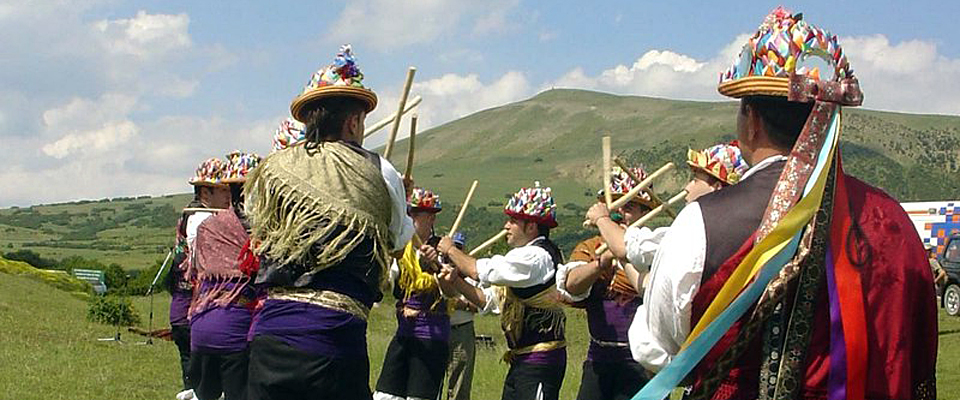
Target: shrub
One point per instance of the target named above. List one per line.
(112, 310)
(31, 257)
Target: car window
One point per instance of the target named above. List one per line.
(953, 251)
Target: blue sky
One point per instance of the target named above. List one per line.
(106, 98)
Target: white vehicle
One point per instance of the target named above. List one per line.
(938, 223)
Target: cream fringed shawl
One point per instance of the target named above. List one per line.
(328, 193)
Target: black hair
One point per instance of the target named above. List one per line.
(196, 192)
(325, 118)
(782, 119)
(236, 195)
(543, 230)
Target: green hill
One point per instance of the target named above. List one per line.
(553, 137)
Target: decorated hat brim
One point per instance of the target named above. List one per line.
(549, 222)
(300, 104)
(209, 184)
(234, 180)
(697, 167)
(426, 209)
(755, 86)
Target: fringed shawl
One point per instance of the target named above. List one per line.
(513, 312)
(321, 193)
(216, 261)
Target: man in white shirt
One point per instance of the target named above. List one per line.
(210, 195)
(521, 284)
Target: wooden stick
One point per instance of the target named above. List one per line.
(396, 121)
(370, 130)
(463, 209)
(490, 242)
(408, 171)
(636, 190)
(636, 178)
(648, 216)
(607, 196)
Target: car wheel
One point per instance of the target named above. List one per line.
(951, 299)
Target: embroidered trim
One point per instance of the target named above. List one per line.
(511, 355)
(322, 298)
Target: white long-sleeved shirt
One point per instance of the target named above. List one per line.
(193, 223)
(662, 322)
(521, 267)
(401, 226)
(642, 244)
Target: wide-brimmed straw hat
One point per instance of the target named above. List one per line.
(723, 161)
(340, 79)
(779, 49)
(621, 183)
(238, 165)
(209, 173)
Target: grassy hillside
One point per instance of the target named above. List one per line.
(50, 350)
(553, 137)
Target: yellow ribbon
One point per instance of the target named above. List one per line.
(796, 219)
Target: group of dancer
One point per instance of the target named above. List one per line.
(782, 277)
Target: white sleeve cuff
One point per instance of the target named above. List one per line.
(642, 245)
(492, 300)
(562, 271)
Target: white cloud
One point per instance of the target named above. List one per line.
(658, 73)
(146, 35)
(547, 35)
(109, 137)
(909, 76)
(90, 127)
(387, 24)
(450, 97)
(80, 113)
(453, 96)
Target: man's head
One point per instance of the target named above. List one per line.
(714, 168)
(521, 231)
(336, 118)
(334, 103)
(532, 213)
(701, 184)
(423, 222)
(423, 206)
(769, 125)
(213, 196)
(632, 211)
(621, 183)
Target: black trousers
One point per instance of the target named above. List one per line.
(181, 337)
(216, 373)
(524, 381)
(279, 371)
(414, 367)
(611, 380)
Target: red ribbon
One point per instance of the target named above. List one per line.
(849, 291)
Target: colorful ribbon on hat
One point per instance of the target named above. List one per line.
(750, 279)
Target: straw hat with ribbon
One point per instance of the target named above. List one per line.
(209, 173)
(340, 79)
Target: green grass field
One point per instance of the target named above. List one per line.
(50, 351)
